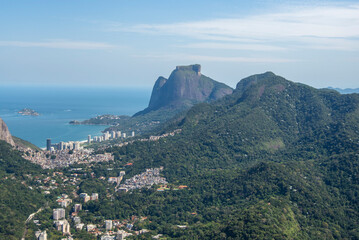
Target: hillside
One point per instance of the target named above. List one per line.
(267, 113)
(17, 199)
(266, 116)
(21, 143)
(275, 159)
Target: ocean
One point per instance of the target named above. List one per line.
(59, 105)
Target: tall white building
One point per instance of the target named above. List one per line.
(106, 136)
(66, 146)
(108, 225)
(94, 196)
(63, 226)
(42, 236)
(76, 145)
(58, 213)
(77, 220)
(89, 139)
(133, 133)
(124, 135)
(77, 207)
(61, 146)
(70, 145)
(118, 134)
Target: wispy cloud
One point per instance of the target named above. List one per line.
(61, 44)
(233, 46)
(206, 58)
(319, 27)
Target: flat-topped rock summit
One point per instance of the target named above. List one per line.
(185, 87)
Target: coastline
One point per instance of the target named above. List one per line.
(76, 103)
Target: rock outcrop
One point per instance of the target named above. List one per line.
(5, 133)
(185, 87)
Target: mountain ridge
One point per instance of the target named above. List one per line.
(345, 90)
(274, 160)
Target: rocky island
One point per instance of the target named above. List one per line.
(28, 112)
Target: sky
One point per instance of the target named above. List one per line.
(130, 43)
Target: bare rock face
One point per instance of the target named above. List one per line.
(185, 87)
(5, 134)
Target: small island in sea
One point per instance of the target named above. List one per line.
(28, 112)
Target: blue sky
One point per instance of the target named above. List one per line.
(131, 43)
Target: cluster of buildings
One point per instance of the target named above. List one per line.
(156, 138)
(59, 155)
(151, 138)
(108, 136)
(64, 201)
(71, 145)
(76, 145)
(145, 179)
(119, 235)
(118, 179)
(85, 197)
(66, 217)
(107, 231)
(64, 158)
(64, 154)
(60, 222)
(76, 219)
(48, 183)
(104, 231)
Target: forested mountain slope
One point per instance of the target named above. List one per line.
(17, 200)
(275, 159)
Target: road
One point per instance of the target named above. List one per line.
(31, 216)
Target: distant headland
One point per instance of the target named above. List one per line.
(28, 112)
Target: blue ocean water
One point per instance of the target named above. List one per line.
(59, 105)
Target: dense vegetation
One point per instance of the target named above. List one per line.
(275, 159)
(17, 200)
